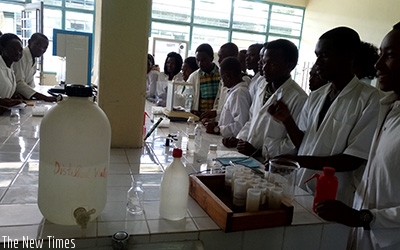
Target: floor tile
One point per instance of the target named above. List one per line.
(137, 227)
(21, 195)
(12, 215)
(168, 226)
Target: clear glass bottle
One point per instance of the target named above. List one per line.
(191, 144)
(198, 132)
(211, 156)
(135, 195)
(190, 126)
(174, 189)
(189, 99)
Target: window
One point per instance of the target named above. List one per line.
(75, 15)
(216, 22)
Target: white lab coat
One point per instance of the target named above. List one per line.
(194, 80)
(262, 130)
(25, 70)
(222, 95)
(235, 112)
(7, 80)
(253, 84)
(378, 191)
(347, 128)
(151, 83)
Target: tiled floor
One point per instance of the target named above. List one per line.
(20, 216)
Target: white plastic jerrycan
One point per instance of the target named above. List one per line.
(74, 159)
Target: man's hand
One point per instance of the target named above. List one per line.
(230, 142)
(209, 114)
(245, 147)
(210, 127)
(333, 210)
(279, 111)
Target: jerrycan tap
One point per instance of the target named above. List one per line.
(82, 216)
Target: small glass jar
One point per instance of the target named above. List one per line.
(211, 156)
(191, 144)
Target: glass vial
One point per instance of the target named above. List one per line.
(135, 195)
(211, 156)
(191, 144)
(15, 118)
(190, 126)
(198, 132)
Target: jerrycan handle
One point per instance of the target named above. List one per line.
(316, 175)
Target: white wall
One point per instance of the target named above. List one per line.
(371, 18)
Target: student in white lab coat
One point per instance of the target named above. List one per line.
(262, 135)
(25, 69)
(10, 52)
(226, 50)
(376, 216)
(252, 59)
(235, 111)
(338, 120)
(205, 81)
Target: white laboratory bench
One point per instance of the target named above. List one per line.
(20, 217)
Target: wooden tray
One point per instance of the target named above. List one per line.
(209, 192)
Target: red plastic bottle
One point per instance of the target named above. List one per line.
(327, 185)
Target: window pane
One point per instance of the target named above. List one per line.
(52, 20)
(10, 18)
(286, 20)
(174, 10)
(171, 31)
(80, 4)
(49, 2)
(212, 12)
(244, 40)
(250, 16)
(79, 22)
(214, 37)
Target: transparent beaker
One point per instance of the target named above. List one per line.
(282, 172)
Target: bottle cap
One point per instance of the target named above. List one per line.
(329, 171)
(177, 153)
(78, 90)
(213, 147)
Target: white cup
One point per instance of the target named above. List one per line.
(253, 199)
(239, 194)
(275, 198)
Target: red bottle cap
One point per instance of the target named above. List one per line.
(329, 171)
(177, 153)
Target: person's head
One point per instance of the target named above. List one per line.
(150, 62)
(388, 64)
(205, 57)
(364, 65)
(189, 66)
(173, 63)
(230, 71)
(260, 62)
(253, 56)
(10, 48)
(336, 51)
(242, 59)
(280, 58)
(38, 44)
(228, 49)
(315, 82)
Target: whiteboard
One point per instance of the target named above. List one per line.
(76, 47)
